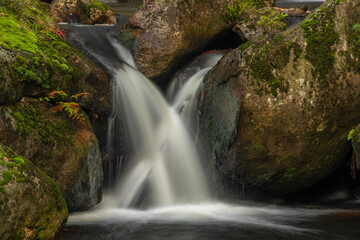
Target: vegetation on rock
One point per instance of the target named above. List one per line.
(285, 104)
(36, 209)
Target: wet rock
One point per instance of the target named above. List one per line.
(259, 25)
(54, 134)
(296, 11)
(82, 11)
(58, 144)
(275, 116)
(35, 62)
(164, 33)
(30, 202)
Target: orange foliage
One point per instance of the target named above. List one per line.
(76, 96)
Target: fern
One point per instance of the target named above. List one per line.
(76, 96)
(61, 93)
(72, 110)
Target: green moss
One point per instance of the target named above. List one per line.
(7, 177)
(244, 46)
(95, 5)
(15, 165)
(241, 9)
(18, 160)
(31, 120)
(320, 40)
(273, 55)
(20, 233)
(272, 20)
(297, 51)
(291, 172)
(352, 29)
(28, 30)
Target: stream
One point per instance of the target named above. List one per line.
(164, 193)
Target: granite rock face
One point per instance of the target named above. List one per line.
(82, 11)
(275, 116)
(67, 152)
(31, 204)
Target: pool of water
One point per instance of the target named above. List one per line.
(215, 221)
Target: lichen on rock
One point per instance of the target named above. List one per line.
(82, 11)
(163, 34)
(289, 104)
(31, 204)
(36, 58)
(53, 142)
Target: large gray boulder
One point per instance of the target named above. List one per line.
(31, 204)
(275, 116)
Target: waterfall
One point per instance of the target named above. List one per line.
(164, 157)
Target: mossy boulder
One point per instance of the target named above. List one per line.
(36, 58)
(275, 116)
(163, 34)
(56, 143)
(31, 205)
(265, 21)
(82, 11)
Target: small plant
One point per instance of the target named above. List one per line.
(76, 96)
(272, 20)
(353, 132)
(70, 108)
(239, 10)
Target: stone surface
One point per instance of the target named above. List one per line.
(162, 34)
(82, 11)
(275, 116)
(31, 205)
(54, 134)
(57, 144)
(35, 62)
(266, 21)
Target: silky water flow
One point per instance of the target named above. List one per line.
(163, 190)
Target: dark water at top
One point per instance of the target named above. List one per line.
(296, 3)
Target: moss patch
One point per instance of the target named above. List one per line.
(15, 168)
(26, 184)
(241, 9)
(267, 59)
(95, 5)
(31, 120)
(28, 30)
(320, 40)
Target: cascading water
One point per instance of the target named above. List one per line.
(186, 86)
(162, 192)
(164, 155)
